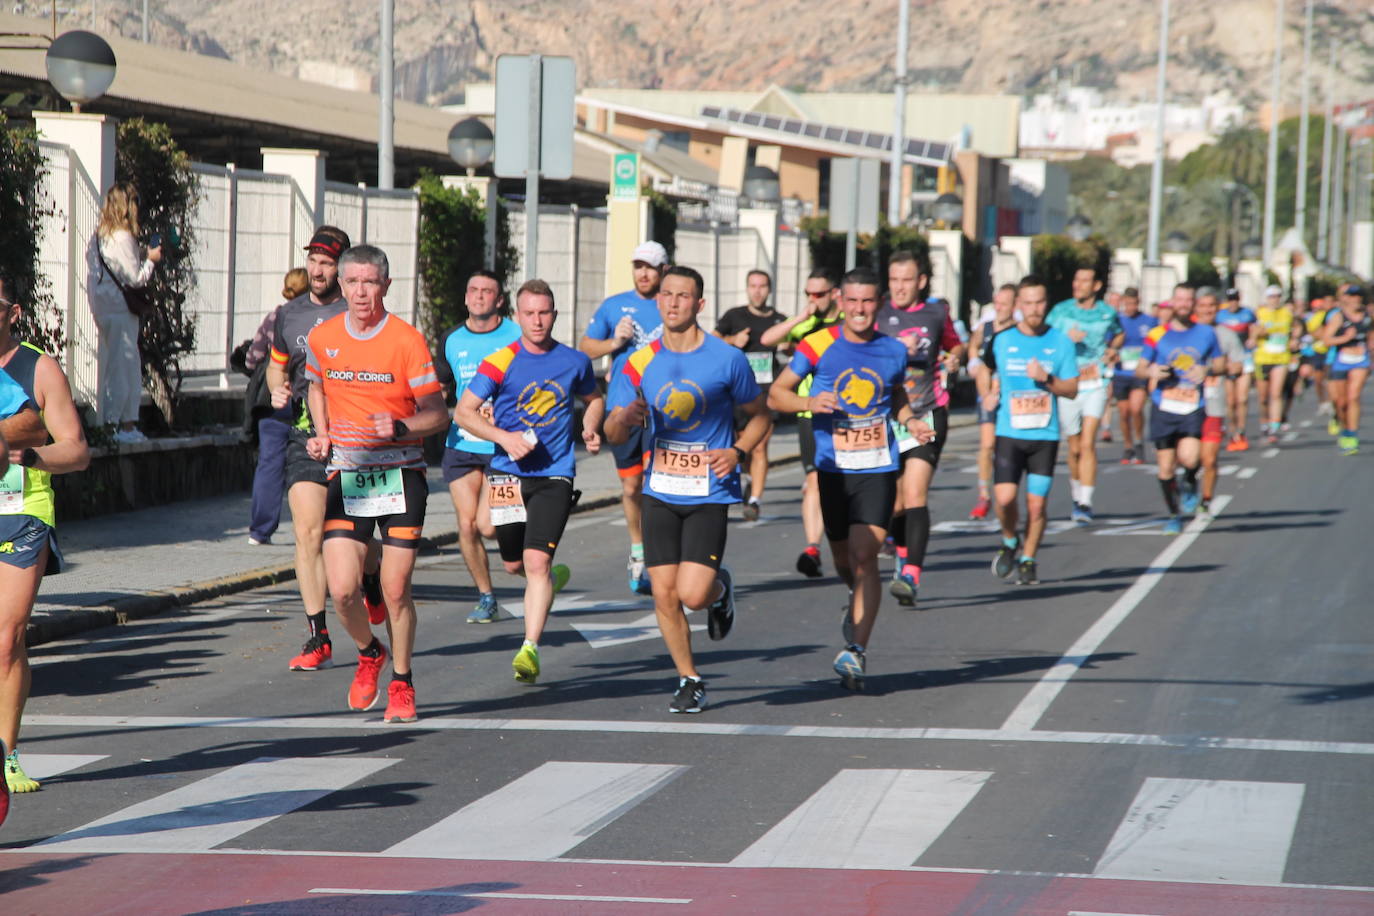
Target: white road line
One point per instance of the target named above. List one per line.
(1246, 473)
(1305, 423)
(354, 724)
(1222, 831)
(867, 819)
(494, 895)
(214, 810)
(1290, 436)
(542, 814)
(46, 766)
(1269, 453)
(1034, 705)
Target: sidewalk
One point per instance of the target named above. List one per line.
(138, 564)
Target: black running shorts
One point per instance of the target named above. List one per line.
(855, 499)
(401, 529)
(548, 503)
(676, 533)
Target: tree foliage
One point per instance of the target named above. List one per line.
(452, 246)
(24, 205)
(827, 248)
(1058, 257)
(169, 194)
(1214, 195)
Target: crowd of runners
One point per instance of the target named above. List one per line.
(687, 410)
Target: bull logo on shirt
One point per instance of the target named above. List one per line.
(538, 400)
(857, 389)
(682, 404)
(1183, 359)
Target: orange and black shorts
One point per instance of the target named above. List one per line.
(399, 529)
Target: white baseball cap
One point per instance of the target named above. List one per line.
(1272, 290)
(651, 253)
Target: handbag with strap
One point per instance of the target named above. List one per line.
(137, 300)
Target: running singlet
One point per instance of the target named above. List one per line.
(1026, 409)
(1099, 324)
(464, 351)
(12, 397)
(856, 438)
(644, 312)
(24, 491)
(1276, 327)
(295, 320)
(385, 371)
(1180, 351)
(931, 325)
(534, 392)
(692, 398)
(1354, 353)
(1134, 327)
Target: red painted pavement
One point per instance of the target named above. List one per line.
(251, 884)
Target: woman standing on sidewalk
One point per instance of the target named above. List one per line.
(115, 265)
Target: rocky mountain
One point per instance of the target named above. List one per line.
(1020, 46)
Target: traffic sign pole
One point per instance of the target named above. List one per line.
(532, 168)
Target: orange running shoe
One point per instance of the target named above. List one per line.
(317, 653)
(376, 613)
(362, 693)
(400, 703)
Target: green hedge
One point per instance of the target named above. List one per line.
(827, 248)
(1055, 258)
(452, 247)
(23, 207)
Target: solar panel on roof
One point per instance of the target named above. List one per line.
(772, 122)
(835, 133)
(812, 130)
(919, 148)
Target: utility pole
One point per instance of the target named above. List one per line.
(894, 181)
(1324, 202)
(1157, 170)
(145, 21)
(1300, 198)
(386, 151)
(1271, 169)
(1337, 245)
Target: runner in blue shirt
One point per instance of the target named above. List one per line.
(465, 456)
(621, 325)
(857, 387)
(1129, 389)
(680, 393)
(1033, 364)
(1177, 359)
(1095, 330)
(531, 384)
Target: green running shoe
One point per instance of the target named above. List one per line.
(560, 575)
(526, 663)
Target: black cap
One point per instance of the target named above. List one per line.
(1355, 289)
(327, 243)
(1232, 294)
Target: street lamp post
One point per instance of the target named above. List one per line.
(1271, 169)
(81, 67)
(894, 181)
(1300, 198)
(386, 152)
(1157, 169)
(471, 144)
(1324, 202)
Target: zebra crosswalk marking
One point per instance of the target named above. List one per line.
(541, 815)
(214, 810)
(867, 819)
(1227, 831)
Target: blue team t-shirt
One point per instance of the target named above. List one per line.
(1134, 328)
(465, 351)
(1099, 324)
(535, 391)
(1180, 351)
(692, 398)
(648, 324)
(1027, 410)
(856, 438)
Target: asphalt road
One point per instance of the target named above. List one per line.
(1165, 725)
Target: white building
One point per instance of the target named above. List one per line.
(1078, 121)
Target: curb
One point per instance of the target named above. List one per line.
(51, 626)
